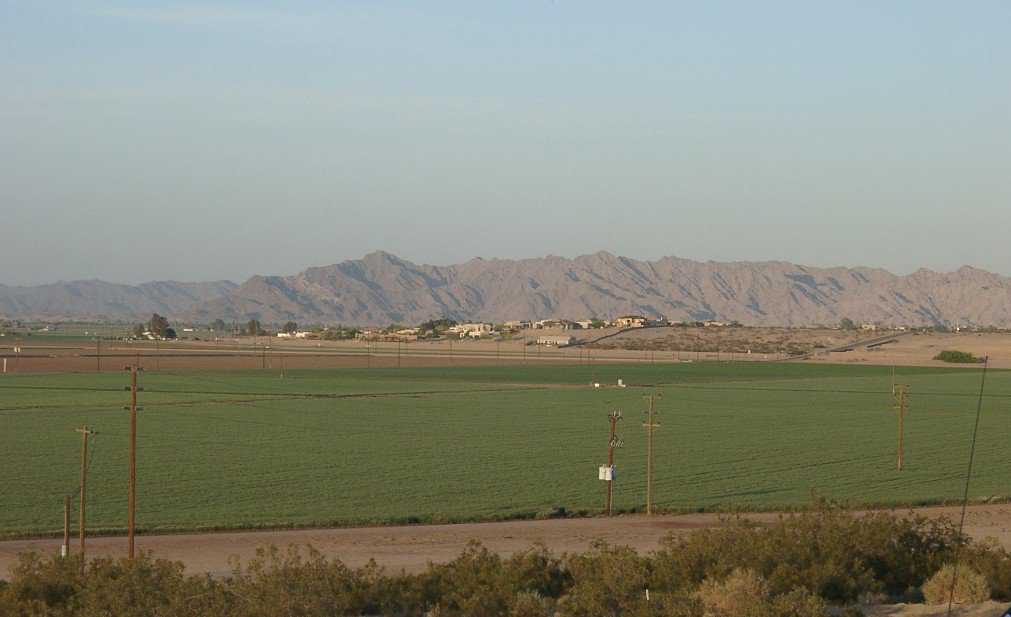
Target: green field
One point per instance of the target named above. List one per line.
(356, 446)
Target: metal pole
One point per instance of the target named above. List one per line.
(65, 549)
(612, 443)
(81, 518)
(132, 500)
(650, 425)
(901, 392)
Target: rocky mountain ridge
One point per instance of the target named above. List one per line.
(382, 288)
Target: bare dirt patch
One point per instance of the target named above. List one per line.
(411, 548)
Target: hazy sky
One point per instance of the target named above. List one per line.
(199, 140)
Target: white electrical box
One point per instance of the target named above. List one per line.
(606, 473)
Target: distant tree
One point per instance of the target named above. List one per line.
(160, 327)
(339, 333)
(437, 325)
(596, 323)
(847, 324)
(253, 328)
(290, 327)
(219, 325)
(958, 357)
(138, 330)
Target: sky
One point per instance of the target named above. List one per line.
(206, 140)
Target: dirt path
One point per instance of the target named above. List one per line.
(410, 548)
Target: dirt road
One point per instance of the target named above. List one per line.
(410, 548)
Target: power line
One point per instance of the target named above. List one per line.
(82, 512)
(650, 425)
(968, 476)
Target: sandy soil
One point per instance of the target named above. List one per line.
(987, 609)
(410, 548)
(39, 355)
(737, 341)
(919, 350)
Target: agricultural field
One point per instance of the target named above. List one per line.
(324, 447)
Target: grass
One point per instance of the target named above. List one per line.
(244, 449)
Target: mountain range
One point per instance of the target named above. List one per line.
(382, 288)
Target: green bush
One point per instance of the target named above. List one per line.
(831, 553)
(970, 586)
(790, 568)
(957, 357)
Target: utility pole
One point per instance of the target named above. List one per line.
(65, 548)
(98, 354)
(612, 442)
(132, 498)
(85, 434)
(650, 425)
(901, 401)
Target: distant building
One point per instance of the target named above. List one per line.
(517, 325)
(546, 323)
(630, 321)
(300, 334)
(870, 327)
(473, 330)
(555, 341)
(715, 324)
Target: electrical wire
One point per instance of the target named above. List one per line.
(968, 476)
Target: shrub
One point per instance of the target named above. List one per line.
(798, 603)
(529, 604)
(607, 580)
(970, 586)
(742, 593)
(831, 553)
(958, 357)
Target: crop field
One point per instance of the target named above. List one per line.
(247, 448)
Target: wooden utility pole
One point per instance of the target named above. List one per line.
(85, 434)
(132, 498)
(612, 442)
(901, 401)
(98, 354)
(650, 425)
(398, 353)
(65, 549)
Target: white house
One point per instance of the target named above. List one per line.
(473, 330)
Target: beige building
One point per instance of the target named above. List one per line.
(630, 321)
